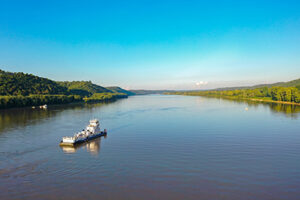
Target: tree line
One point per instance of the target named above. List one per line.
(104, 97)
(36, 100)
(285, 94)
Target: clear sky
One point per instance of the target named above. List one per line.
(153, 44)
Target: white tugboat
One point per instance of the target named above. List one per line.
(92, 131)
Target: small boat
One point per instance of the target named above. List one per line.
(44, 106)
(92, 131)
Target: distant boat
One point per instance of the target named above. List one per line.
(92, 131)
(41, 106)
(44, 106)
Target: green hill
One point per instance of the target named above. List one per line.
(20, 89)
(25, 84)
(116, 89)
(83, 88)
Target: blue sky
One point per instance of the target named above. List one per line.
(153, 44)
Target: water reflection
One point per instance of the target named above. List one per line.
(22, 117)
(93, 147)
(288, 110)
(224, 149)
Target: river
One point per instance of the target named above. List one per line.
(157, 147)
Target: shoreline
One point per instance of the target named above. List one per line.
(63, 103)
(247, 99)
(272, 101)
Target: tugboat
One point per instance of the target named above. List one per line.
(92, 131)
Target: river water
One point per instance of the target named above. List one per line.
(157, 147)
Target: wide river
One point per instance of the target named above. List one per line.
(157, 147)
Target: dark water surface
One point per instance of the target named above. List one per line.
(157, 147)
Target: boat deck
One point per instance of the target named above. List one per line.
(82, 141)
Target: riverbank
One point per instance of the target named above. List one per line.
(99, 97)
(283, 95)
(37, 100)
(264, 99)
(272, 101)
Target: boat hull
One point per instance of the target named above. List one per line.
(102, 133)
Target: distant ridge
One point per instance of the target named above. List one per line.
(293, 83)
(145, 92)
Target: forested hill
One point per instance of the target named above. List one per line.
(20, 89)
(83, 88)
(19, 83)
(293, 83)
(25, 84)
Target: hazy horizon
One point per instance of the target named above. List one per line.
(174, 45)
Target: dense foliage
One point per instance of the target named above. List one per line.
(104, 97)
(285, 94)
(83, 88)
(19, 89)
(26, 84)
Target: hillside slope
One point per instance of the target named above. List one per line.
(293, 83)
(20, 90)
(83, 88)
